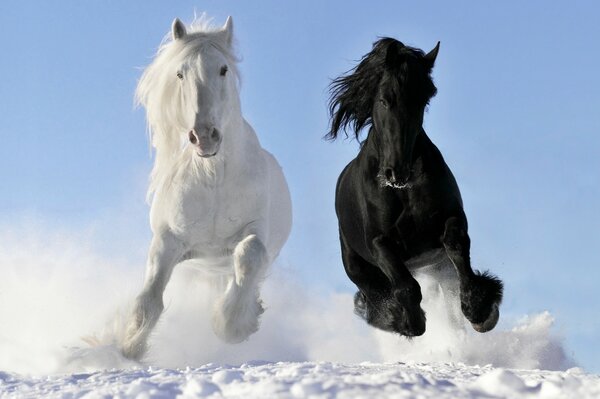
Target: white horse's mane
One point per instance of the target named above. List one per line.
(161, 94)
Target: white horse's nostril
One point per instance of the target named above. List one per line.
(193, 138)
(215, 134)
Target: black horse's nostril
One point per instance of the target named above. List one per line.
(389, 175)
(193, 138)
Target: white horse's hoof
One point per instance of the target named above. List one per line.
(134, 349)
(234, 321)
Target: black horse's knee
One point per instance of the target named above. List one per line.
(456, 238)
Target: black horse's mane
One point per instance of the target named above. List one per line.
(352, 95)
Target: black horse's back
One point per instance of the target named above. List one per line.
(398, 205)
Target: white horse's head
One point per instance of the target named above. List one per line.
(190, 91)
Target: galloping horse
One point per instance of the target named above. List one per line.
(397, 202)
(219, 200)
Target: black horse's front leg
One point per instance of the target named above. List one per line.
(480, 293)
(405, 292)
(373, 289)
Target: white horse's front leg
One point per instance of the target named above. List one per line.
(236, 314)
(165, 252)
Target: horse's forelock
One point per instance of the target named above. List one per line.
(156, 85)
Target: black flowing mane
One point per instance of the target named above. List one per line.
(353, 94)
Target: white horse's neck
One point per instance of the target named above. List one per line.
(234, 133)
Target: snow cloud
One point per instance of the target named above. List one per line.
(57, 290)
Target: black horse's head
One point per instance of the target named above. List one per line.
(389, 90)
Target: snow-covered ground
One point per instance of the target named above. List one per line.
(310, 343)
(310, 379)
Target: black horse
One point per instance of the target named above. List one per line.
(397, 202)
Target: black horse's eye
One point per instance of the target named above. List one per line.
(224, 70)
(180, 75)
(383, 103)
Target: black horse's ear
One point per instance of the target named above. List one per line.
(432, 55)
(177, 29)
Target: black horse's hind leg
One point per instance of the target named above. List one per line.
(480, 293)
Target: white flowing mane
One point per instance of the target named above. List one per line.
(160, 93)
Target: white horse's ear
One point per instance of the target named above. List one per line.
(177, 29)
(228, 30)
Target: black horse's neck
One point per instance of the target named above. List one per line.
(369, 152)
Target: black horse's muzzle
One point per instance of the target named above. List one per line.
(389, 177)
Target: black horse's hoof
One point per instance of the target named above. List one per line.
(416, 330)
(489, 323)
(480, 299)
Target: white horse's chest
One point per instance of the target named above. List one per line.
(218, 212)
(209, 214)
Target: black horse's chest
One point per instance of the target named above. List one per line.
(414, 216)
(414, 219)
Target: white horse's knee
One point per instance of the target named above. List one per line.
(250, 259)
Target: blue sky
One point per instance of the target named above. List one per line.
(516, 117)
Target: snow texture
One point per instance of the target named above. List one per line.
(60, 307)
(310, 380)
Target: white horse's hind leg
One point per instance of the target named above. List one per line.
(165, 252)
(236, 314)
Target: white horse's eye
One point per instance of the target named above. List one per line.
(224, 70)
(180, 75)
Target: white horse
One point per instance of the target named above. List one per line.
(219, 199)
